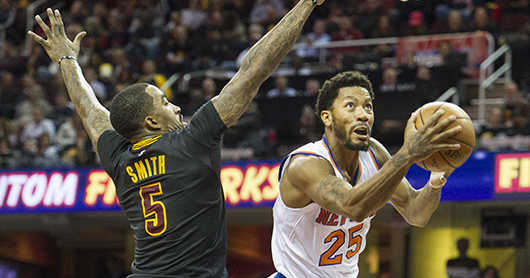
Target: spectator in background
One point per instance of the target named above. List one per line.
(308, 130)
(195, 101)
(368, 16)
(62, 110)
(8, 15)
(521, 50)
(46, 153)
(78, 13)
(209, 88)
(426, 88)
(99, 88)
(245, 132)
(408, 61)
(514, 104)
(151, 76)
(255, 32)
(482, 21)
(6, 153)
(118, 59)
(463, 266)
(495, 125)
(266, 11)
(67, 132)
(333, 18)
(101, 11)
(148, 35)
(9, 95)
(384, 28)
(449, 57)
(82, 153)
(389, 81)
(174, 20)
(115, 36)
(463, 7)
(177, 47)
(242, 7)
(193, 16)
(38, 63)
(315, 38)
(216, 47)
(12, 60)
(346, 32)
(453, 24)
(235, 33)
(311, 88)
(415, 26)
(24, 110)
(39, 125)
(5, 127)
(281, 88)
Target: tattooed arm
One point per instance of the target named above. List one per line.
(94, 116)
(312, 179)
(260, 62)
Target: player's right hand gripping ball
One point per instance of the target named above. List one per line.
(448, 160)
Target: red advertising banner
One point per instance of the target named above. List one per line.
(426, 49)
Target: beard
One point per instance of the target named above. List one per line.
(341, 134)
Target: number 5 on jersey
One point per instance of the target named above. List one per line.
(156, 225)
(329, 257)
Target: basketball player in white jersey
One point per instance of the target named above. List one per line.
(332, 188)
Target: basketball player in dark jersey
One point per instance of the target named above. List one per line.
(166, 172)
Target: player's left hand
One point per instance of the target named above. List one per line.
(57, 44)
(438, 179)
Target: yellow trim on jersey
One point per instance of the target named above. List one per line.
(145, 142)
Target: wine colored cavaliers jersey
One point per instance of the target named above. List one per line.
(169, 188)
(313, 242)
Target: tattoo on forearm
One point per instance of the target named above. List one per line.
(328, 190)
(96, 119)
(398, 160)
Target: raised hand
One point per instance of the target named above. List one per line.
(57, 45)
(421, 143)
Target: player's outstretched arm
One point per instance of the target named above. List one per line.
(95, 117)
(260, 62)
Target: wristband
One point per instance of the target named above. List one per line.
(66, 57)
(436, 187)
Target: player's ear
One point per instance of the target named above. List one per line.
(326, 117)
(151, 123)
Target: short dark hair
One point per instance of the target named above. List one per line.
(330, 90)
(129, 109)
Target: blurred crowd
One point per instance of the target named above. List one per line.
(131, 41)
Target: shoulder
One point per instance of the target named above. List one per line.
(303, 167)
(380, 152)
(110, 138)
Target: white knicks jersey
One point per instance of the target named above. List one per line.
(313, 242)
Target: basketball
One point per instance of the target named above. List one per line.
(448, 160)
